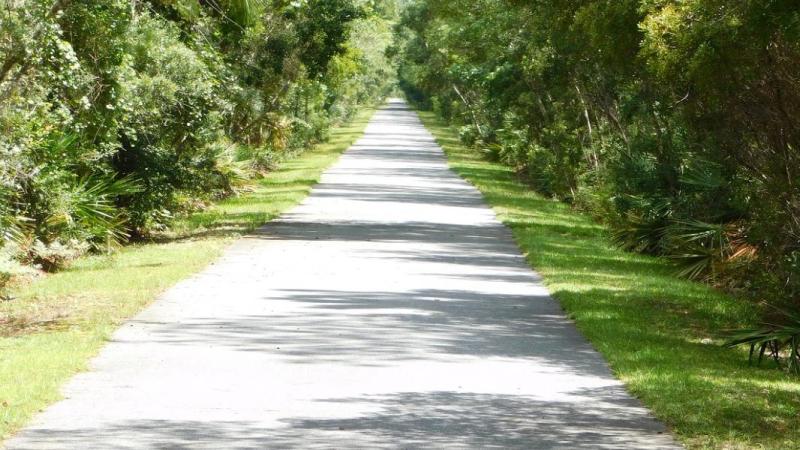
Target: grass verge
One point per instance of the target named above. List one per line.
(56, 324)
(660, 334)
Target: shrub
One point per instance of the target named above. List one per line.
(260, 160)
(468, 134)
(116, 117)
(56, 255)
(10, 269)
(676, 128)
(779, 341)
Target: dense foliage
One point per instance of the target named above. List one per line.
(118, 115)
(676, 122)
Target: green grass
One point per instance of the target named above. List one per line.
(57, 323)
(652, 327)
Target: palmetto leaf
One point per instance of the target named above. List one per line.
(702, 248)
(91, 206)
(13, 229)
(782, 339)
(703, 174)
(13, 226)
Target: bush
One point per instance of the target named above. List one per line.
(56, 255)
(676, 128)
(468, 134)
(116, 117)
(780, 341)
(11, 269)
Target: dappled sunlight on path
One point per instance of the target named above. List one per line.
(389, 310)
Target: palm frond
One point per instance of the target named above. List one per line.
(91, 207)
(703, 174)
(781, 340)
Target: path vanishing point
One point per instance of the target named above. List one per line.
(390, 309)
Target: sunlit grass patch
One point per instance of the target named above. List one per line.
(57, 323)
(660, 334)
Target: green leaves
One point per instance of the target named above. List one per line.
(779, 341)
(90, 209)
(675, 122)
(323, 27)
(117, 116)
(244, 13)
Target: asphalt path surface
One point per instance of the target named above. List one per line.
(390, 309)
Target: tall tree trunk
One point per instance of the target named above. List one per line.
(595, 159)
(470, 109)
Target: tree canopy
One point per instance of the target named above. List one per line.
(675, 122)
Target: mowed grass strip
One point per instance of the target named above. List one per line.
(660, 334)
(56, 324)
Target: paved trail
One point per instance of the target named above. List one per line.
(389, 310)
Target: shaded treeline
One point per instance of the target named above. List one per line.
(675, 122)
